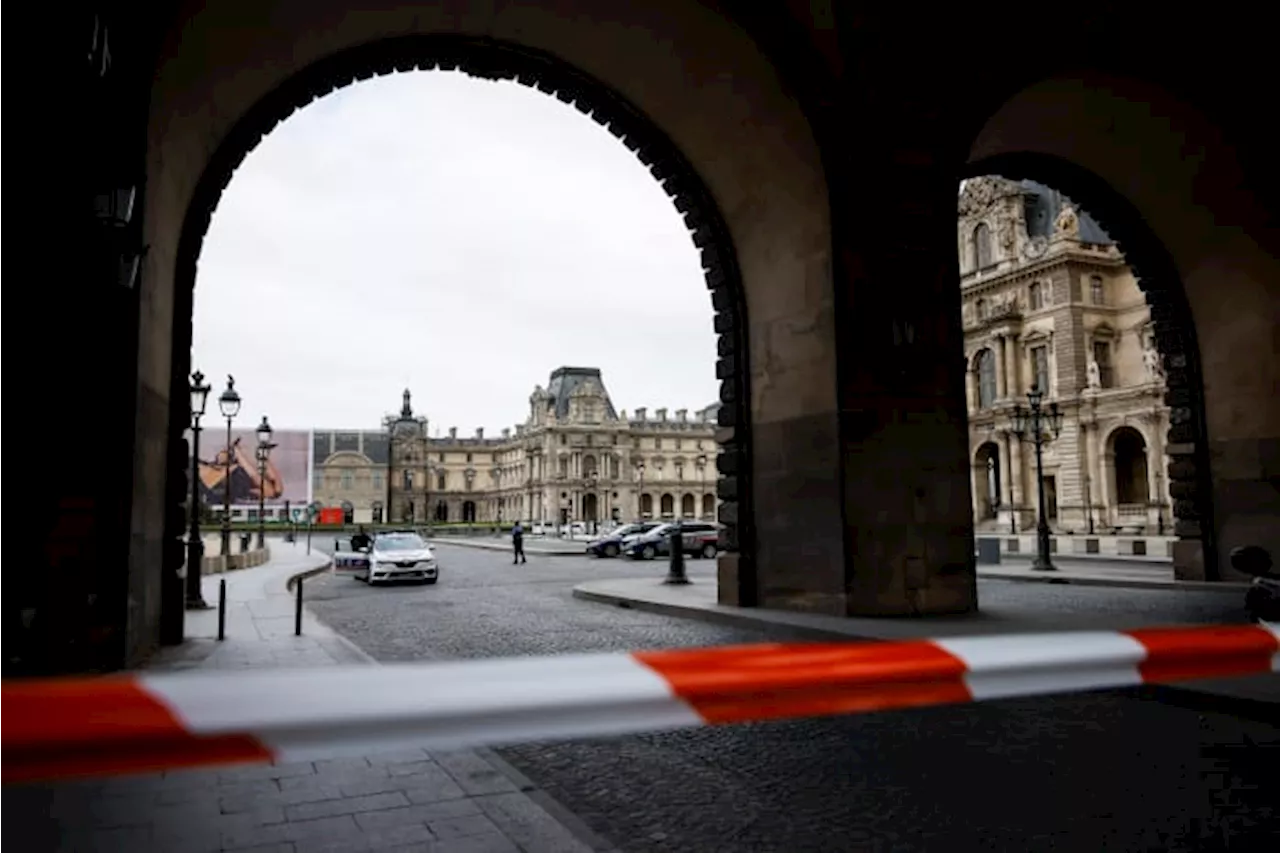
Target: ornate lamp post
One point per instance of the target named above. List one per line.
(1033, 421)
(640, 492)
(263, 454)
(195, 544)
(701, 464)
(229, 405)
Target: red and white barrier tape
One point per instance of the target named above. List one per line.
(122, 724)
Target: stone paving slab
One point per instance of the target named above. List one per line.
(410, 799)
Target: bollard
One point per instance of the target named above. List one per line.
(222, 609)
(297, 612)
(675, 573)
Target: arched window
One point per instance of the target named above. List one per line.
(646, 505)
(668, 505)
(688, 507)
(982, 246)
(980, 308)
(1130, 459)
(985, 367)
(708, 506)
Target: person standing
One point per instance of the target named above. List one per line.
(517, 543)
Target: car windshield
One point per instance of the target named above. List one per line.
(400, 542)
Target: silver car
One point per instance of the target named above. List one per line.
(400, 557)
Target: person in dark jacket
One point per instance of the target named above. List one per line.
(361, 540)
(517, 543)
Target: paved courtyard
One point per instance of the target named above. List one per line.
(1131, 770)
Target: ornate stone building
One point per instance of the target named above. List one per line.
(575, 458)
(1048, 301)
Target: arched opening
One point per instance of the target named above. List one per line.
(709, 507)
(984, 368)
(1103, 361)
(1193, 231)
(377, 512)
(981, 246)
(590, 508)
(986, 483)
(646, 505)
(442, 511)
(492, 60)
(668, 505)
(1129, 471)
(468, 512)
(348, 513)
(589, 468)
(688, 506)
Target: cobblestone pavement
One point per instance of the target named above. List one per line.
(1123, 770)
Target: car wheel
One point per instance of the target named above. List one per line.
(649, 552)
(611, 550)
(709, 551)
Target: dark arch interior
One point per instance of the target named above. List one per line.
(1157, 275)
(496, 60)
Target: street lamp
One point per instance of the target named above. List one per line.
(1033, 421)
(229, 404)
(640, 492)
(195, 544)
(701, 464)
(263, 453)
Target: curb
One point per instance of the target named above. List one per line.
(529, 552)
(732, 618)
(1127, 583)
(307, 573)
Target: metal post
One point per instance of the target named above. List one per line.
(675, 571)
(1042, 561)
(222, 609)
(195, 542)
(297, 611)
(262, 501)
(1088, 502)
(308, 536)
(226, 499)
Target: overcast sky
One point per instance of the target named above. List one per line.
(457, 237)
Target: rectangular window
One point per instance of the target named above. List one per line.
(346, 480)
(1102, 355)
(1035, 294)
(468, 457)
(1040, 368)
(1097, 293)
(377, 479)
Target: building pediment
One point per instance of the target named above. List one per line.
(979, 194)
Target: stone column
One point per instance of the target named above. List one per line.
(902, 413)
(998, 353)
(1012, 380)
(1006, 470)
(1017, 492)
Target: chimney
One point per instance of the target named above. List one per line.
(453, 433)
(682, 415)
(480, 433)
(519, 429)
(662, 414)
(642, 414)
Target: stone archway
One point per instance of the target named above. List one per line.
(1190, 233)
(489, 58)
(468, 511)
(1175, 338)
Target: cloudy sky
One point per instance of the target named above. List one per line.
(457, 237)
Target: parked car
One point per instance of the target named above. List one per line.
(610, 544)
(699, 539)
(393, 556)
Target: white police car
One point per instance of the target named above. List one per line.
(395, 556)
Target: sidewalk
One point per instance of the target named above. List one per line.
(457, 802)
(1095, 571)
